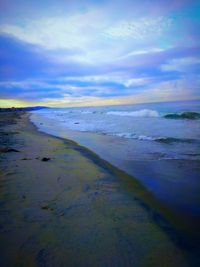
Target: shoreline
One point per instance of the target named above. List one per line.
(141, 159)
(76, 178)
(183, 215)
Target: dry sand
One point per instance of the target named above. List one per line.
(73, 209)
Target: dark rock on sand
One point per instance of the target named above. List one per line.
(45, 207)
(45, 159)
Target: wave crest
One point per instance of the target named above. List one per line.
(145, 113)
(164, 140)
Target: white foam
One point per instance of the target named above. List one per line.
(86, 112)
(146, 138)
(134, 136)
(126, 135)
(145, 113)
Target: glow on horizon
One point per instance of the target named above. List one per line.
(115, 52)
(9, 103)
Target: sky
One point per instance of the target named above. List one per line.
(85, 53)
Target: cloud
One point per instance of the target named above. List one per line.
(58, 32)
(137, 79)
(98, 51)
(91, 34)
(139, 29)
(121, 78)
(170, 91)
(19, 60)
(182, 64)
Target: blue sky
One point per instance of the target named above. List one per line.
(82, 53)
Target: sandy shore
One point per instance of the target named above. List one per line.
(61, 205)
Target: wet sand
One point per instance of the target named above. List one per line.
(61, 205)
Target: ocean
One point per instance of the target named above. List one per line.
(157, 143)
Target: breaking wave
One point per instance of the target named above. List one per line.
(146, 113)
(164, 140)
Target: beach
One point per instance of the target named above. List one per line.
(62, 205)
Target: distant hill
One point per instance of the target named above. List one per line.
(21, 109)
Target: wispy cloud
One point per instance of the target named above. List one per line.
(182, 64)
(140, 29)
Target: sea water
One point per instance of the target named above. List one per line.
(160, 150)
(157, 137)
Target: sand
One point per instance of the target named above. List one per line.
(61, 205)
